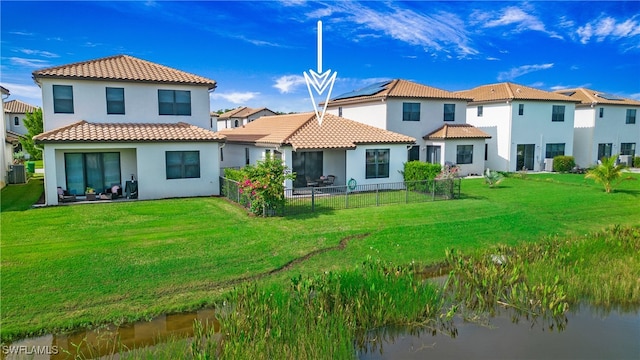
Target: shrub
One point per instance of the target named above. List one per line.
(234, 174)
(418, 171)
(264, 185)
(563, 163)
(636, 161)
(492, 177)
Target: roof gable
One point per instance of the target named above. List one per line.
(242, 112)
(18, 107)
(509, 91)
(457, 131)
(123, 68)
(83, 131)
(302, 131)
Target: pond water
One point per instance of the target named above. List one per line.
(100, 342)
(588, 334)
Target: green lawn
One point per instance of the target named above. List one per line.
(20, 197)
(72, 266)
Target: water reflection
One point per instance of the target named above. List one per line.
(110, 340)
(586, 333)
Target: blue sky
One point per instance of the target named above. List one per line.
(258, 50)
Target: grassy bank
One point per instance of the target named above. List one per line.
(20, 197)
(69, 267)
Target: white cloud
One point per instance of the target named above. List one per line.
(236, 97)
(514, 16)
(635, 96)
(608, 28)
(21, 33)
(491, 58)
(28, 93)
(287, 83)
(38, 53)
(34, 63)
(522, 70)
(433, 31)
(258, 42)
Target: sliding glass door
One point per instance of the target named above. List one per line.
(96, 170)
(306, 165)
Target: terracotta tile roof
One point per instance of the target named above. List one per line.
(510, 91)
(399, 88)
(588, 97)
(302, 131)
(13, 137)
(241, 112)
(123, 68)
(457, 131)
(18, 107)
(83, 131)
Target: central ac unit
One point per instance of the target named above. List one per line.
(548, 164)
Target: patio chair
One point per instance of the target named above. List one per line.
(64, 196)
(311, 183)
(329, 180)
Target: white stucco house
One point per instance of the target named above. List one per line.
(14, 112)
(241, 116)
(6, 148)
(340, 147)
(605, 125)
(528, 126)
(423, 112)
(124, 121)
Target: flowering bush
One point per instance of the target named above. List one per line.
(448, 172)
(263, 184)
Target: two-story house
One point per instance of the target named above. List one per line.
(436, 116)
(130, 123)
(528, 126)
(605, 125)
(14, 112)
(241, 116)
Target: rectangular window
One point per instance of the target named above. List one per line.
(601, 112)
(340, 111)
(377, 163)
(464, 154)
(183, 164)
(95, 170)
(520, 109)
(221, 155)
(449, 112)
(480, 110)
(631, 116)
(410, 111)
(486, 152)
(557, 113)
(174, 102)
(246, 156)
(604, 150)
(115, 101)
(63, 99)
(413, 153)
(16, 121)
(628, 149)
(554, 150)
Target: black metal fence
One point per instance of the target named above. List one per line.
(311, 199)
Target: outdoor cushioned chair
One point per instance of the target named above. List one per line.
(329, 180)
(311, 182)
(64, 196)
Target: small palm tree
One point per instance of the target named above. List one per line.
(607, 172)
(492, 177)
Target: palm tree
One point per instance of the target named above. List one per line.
(607, 172)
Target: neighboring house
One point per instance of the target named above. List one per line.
(14, 112)
(6, 149)
(241, 116)
(116, 119)
(344, 148)
(421, 112)
(605, 125)
(528, 126)
(213, 118)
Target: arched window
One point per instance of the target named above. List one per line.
(236, 123)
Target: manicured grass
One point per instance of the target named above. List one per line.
(20, 197)
(73, 266)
